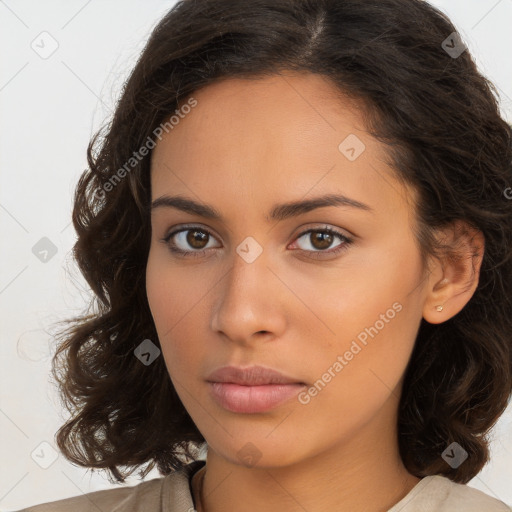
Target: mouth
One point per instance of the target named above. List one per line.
(253, 389)
(252, 399)
(251, 376)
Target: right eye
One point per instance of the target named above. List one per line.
(182, 240)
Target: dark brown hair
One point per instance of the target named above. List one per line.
(440, 121)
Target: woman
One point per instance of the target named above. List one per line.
(298, 230)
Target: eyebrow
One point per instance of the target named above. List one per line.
(277, 213)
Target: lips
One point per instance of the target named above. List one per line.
(251, 390)
(250, 376)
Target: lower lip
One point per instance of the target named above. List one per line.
(252, 399)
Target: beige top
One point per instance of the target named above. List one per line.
(173, 493)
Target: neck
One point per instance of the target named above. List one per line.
(361, 474)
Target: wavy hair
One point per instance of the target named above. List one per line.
(440, 121)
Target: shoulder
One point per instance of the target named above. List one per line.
(108, 499)
(440, 494)
(172, 490)
(468, 499)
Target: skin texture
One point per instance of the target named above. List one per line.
(247, 145)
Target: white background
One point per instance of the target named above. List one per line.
(49, 110)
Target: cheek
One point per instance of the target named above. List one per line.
(156, 288)
(166, 290)
(174, 303)
(161, 291)
(375, 314)
(384, 287)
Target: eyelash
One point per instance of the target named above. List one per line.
(195, 254)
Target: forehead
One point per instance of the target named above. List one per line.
(273, 139)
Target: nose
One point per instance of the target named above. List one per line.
(250, 302)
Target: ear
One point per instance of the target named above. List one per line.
(454, 275)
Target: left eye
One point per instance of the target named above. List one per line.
(197, 238)
(321, 239)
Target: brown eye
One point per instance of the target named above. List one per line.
(321, 239)
(191, 241)
(196, 238)
(194, 241)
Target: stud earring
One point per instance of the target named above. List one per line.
(439, 308)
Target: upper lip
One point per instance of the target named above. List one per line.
(250, 376)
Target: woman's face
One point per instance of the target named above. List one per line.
(340, 317)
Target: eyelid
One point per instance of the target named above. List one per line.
(346, 239)
(321, 226)
(185, 227)
(302, 230)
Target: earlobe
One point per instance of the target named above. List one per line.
(435, 309)
(460, 271)
(441, 283)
